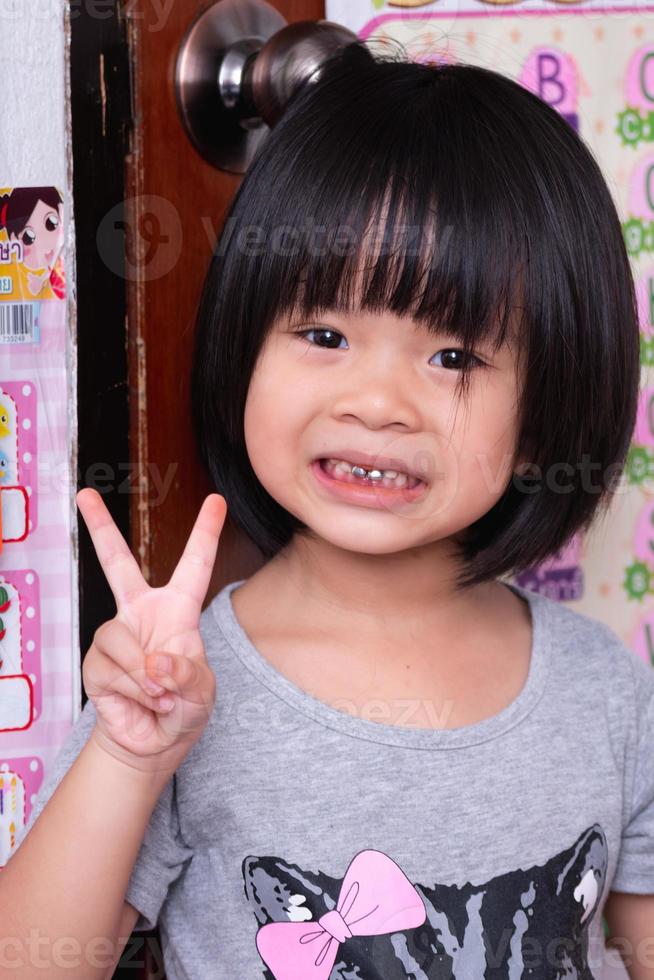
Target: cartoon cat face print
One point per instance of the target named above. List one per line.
(374, 924)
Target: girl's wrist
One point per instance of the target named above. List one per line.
(152, 770)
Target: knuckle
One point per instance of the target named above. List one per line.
(208, 680)
(115, 557)
(91, 663)
(185, 670)
(108, 633)
(198, 559)
(100, 634)
(86, 668)
(147, 700)
(131, 595)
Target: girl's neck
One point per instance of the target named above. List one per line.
(388, 633)
(379, 595)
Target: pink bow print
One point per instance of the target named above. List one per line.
(376, 897)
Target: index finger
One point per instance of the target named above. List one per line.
(118, 563)
(192, 573)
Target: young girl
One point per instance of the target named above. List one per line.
(379, 760)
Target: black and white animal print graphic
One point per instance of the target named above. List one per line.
(372, 923)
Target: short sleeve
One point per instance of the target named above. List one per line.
(635, 866)
(162, 855)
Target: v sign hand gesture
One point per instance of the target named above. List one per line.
(121, 671)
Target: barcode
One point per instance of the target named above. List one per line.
(18, 323)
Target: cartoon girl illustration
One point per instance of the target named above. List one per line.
(33, 217)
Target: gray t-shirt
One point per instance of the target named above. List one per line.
(301, 841)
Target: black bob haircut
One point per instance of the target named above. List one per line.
(473, 160)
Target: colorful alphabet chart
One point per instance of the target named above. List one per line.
(594, 63)
(39, 663)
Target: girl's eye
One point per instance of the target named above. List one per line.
(51, 221)
(460, 360)
(456, 364)
(28, 237)
(330, 335)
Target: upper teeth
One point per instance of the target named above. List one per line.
(357, 470)
(373, 474)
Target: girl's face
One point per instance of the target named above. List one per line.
(41, 236)
(381, 385)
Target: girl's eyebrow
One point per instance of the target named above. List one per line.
(317, 315)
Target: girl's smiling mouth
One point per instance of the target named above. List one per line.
(368, 491)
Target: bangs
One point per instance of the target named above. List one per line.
(374, 212)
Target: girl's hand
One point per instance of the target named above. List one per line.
(133, 724)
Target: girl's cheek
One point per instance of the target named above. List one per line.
(28, 251)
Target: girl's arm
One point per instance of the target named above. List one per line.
(128, 920)
(62, 892)
(63, 889)
(630, 919)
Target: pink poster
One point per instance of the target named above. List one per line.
(38, 647)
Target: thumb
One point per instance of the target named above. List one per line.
(190, 679)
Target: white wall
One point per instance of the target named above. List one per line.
(33, 114)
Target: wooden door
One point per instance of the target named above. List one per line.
(178, 202)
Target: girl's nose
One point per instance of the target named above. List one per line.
(379, 402)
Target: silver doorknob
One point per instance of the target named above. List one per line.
(238, 65)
